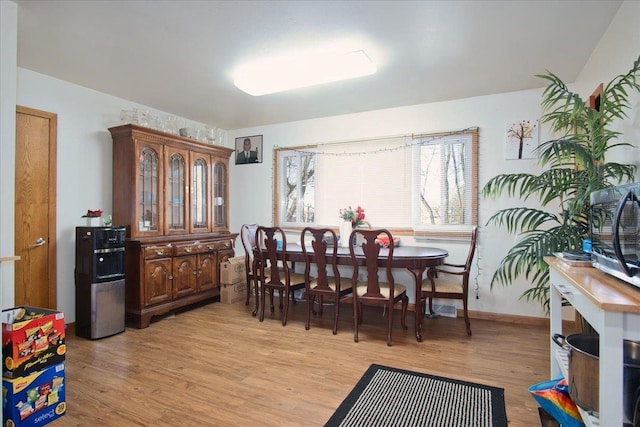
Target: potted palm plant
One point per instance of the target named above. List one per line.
(574, 164)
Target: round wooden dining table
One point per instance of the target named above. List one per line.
(416, 259)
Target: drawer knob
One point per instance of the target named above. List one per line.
(159, 252)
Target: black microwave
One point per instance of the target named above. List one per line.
(615, 231)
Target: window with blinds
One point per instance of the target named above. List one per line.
(420, 182)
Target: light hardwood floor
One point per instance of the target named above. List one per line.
(216, 365)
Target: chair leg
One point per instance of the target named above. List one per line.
(355, 320)
(466, 317)
(309, 303)
(336, 311)
(257, 294)
(272, 291)
(403, 319)
(263, 298)
(431, 306)
(250, 279)
(390, 323)
(285, 292)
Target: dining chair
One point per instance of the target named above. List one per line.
(450, 281)
(369, 256)
(320, 247)
(248, 238)
(274, 271)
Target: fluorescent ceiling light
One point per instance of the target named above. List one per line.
(279, 75)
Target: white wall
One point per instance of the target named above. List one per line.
(84, 156)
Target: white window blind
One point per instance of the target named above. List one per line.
(372, 174)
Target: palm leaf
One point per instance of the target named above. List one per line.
(521, 219)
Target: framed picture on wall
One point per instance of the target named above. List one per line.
(521, 139)
(249, 149)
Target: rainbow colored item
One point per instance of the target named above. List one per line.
(553, 397)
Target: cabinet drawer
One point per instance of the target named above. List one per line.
(152, 252)
(220, 245)
(192, 248)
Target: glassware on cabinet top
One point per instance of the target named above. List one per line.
(170, 125)
(210, 134)
(129, 116)
(173, 125)
(221, 137)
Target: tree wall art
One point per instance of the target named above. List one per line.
(521, 139)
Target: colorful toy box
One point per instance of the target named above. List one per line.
(32, 339)
(35, 399)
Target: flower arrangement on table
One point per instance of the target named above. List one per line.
(92, 214)
(355, 216)
(383, 240)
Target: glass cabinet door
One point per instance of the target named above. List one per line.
(219, 196)
(177, 212)
(148, 184)
(200, 189)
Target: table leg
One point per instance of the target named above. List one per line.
(417, 275)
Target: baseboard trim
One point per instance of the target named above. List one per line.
(507, 318)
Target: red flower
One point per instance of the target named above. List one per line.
(92, 214)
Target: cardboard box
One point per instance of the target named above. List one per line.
(36, 399)
(232, 271)
(32, 339)
(233, 293)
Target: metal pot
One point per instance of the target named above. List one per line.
(584, 382)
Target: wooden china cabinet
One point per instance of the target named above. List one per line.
(171, 194)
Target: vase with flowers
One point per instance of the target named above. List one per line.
(356, 217)
(351, 220)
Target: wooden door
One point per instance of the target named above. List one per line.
(35, 208)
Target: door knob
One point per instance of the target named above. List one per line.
(39, 242)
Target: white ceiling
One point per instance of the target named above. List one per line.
(179, 56)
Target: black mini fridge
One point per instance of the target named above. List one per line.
(100, 282)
